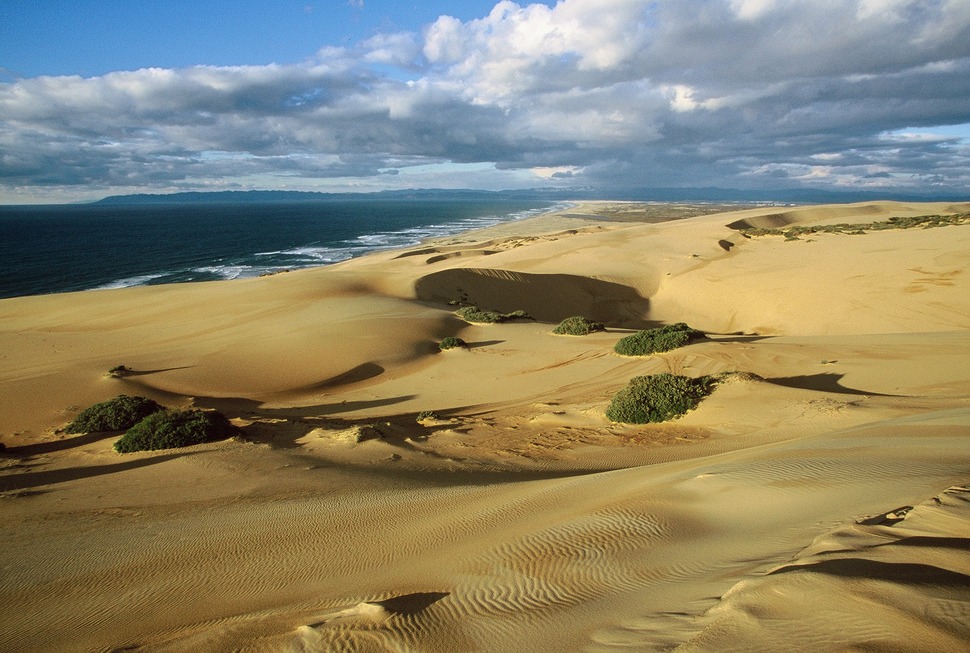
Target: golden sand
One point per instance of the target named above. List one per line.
(818, 502)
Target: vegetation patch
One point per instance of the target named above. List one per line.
(168, 429)
(921, 222)
(577, 326)
(116, 414)
(427, 414)
(479, 316)
(451, 342)
(653, 341)
(119, 371)
(658, 398)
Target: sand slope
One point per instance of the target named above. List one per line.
(779, 515)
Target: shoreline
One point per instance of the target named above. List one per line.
(302, 248)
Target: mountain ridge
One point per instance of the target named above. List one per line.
(697, 194)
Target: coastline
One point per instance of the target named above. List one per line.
(518, 517)
(50, 249)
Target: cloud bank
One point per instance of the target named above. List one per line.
(610, 94)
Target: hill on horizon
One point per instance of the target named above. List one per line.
(709, 194)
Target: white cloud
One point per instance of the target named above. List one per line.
(608, 92)
(555, 171)
(752, 9)
(516, 50)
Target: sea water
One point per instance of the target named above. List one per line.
(60, 248)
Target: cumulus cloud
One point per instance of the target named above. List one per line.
(615, 93)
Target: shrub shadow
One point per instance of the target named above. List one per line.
(483, 343)
(825, 382)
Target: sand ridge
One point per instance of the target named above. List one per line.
(777, 514)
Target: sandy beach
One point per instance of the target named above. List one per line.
(818, 500)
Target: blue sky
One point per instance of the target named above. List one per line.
(81, 37)
(108, 97)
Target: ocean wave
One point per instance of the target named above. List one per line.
(227, 272)
(139, 280)
(308, 255)
(411, 236)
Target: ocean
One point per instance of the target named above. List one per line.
(61, 248)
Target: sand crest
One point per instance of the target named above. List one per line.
(816, 500)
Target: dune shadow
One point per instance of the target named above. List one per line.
(53, 446)
(733, 337)
(460, 253)
(130, 373)
(282, 427)
(770, 221)
(546, 297)
(238, 407)
(909, 573)
(889, 518)
(824, 382)
(957, 543)
(23, 494)
(417, 252)
(411, 603)
(52, 477)
(362, 372)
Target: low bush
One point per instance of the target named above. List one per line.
(474, 314)
(116, 414)
(658, 398)
(477, 315)
(577, 326)
(793, 232)
(451, 342)
(653, 341)
(119, 371)
(427, 414)
(169, 429)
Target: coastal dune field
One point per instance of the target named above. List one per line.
(819, 499)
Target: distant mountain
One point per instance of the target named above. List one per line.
(253, 196)
(710, 194)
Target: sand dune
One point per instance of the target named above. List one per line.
(816, 501)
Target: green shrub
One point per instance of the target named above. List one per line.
(658, 398)
(116, 414)
(923, 221)
(475, 314)
(427, 414)
(451, 342)
(652, 341)
(577, 326)
(168, 429)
